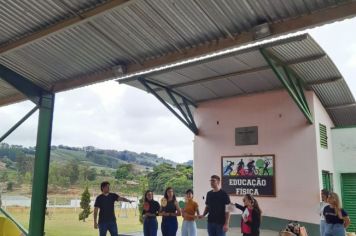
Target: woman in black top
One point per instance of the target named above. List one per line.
(169, 212)
(336, 218)
(251, 216)
(149, 212)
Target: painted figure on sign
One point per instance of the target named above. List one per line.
(265, 169)
(229, 169)
(251, 169)
(240, 167)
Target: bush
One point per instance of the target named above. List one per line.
(10, 186)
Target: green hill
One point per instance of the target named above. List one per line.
(90, 155)
(74, 167)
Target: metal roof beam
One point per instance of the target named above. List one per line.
(342, 106)
(22, 84)
(317, 18)
(291, 83)
(62, 25)
(186, 116)
(13, 128)
(325, 81)
(12, 99)
(243, 72)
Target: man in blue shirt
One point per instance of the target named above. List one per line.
(104, 203)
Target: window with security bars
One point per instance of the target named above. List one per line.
(327, 180)
(323, 136)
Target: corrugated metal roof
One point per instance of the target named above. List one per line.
(29, 16)
(246, 71)
(134, 32)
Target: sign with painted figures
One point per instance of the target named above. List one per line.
(249, 175)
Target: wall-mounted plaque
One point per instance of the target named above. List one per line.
(246, 136)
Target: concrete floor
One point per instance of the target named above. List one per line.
(231, 232)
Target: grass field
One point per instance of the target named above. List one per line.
(64, 221)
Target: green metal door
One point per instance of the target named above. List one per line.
(349, 197)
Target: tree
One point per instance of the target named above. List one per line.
(143, 187)
(4, 177)
(164, 175)
(140, 207)
(84, 172)
(92, 174)
(71, 170)
(9, 186)
(24, 163)
(85, 205)
(124, 172)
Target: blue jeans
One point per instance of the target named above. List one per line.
(169, 226)
(108, 226)
(322, 227)
(215, 229)
(150, 226)
(189, 228)
(334, 230)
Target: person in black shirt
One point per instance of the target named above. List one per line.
(336, 218)
(104, 203)
(149, 212)
(169, 212)
(216, 201)
(251, 216)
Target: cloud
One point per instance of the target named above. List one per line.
(107, 115)
(338, 41)
(351, 61)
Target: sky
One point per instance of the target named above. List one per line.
(113, 116)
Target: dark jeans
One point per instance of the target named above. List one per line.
(215, 229)
(169, 226)
(150, 226)
(108, 226)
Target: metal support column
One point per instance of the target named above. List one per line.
(41, 167)
(45, 102)
(290, 81)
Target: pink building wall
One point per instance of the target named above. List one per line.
(282, 130)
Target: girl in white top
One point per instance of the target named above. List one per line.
(324, 196)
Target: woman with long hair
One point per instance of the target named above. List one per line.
(251, 216)
(150, 212)
(324, 193)
(337, 219)
(169, 212)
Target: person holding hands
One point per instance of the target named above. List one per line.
(251, 216)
